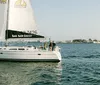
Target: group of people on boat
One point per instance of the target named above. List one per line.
(51, 46)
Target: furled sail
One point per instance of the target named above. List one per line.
(3, 18)
(21, 21)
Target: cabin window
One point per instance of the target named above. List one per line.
(4, 48)
(21, 49)
(29, 46)
(13, 49)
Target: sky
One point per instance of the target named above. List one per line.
(68, 19)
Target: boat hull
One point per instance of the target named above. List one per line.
(29, 55)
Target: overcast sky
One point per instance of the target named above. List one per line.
(68, 19)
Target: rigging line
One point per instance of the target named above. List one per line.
(7, 21)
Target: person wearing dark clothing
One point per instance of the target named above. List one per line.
(53, 46)
(50, 46)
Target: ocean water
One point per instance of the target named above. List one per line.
(80, 65)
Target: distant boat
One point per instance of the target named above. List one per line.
(19, 23)
(98, 42)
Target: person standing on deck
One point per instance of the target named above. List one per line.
(45, 45)
(50, 46)
(53, 46)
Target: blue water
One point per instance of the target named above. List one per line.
(80, 65)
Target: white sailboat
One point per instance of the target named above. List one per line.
(19, 23)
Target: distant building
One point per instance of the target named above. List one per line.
(79, 41)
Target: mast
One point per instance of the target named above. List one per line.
(7, 21)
